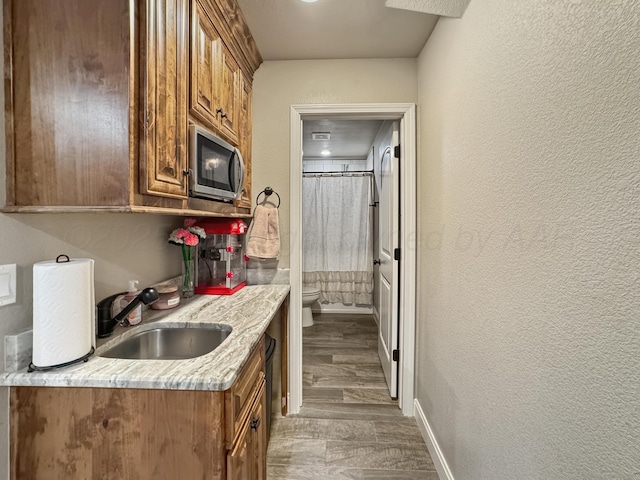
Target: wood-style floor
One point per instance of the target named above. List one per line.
(348, 428)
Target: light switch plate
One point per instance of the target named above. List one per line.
(7, 284)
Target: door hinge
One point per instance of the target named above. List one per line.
(396, 254)
(396, 151)
(396, 355)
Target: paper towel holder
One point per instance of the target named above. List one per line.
(84, 358)
(34, 368)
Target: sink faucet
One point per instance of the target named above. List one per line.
(106, 324)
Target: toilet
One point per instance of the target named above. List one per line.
(309, 295)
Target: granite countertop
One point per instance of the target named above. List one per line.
(249, 312)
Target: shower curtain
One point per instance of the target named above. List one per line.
(337, 248)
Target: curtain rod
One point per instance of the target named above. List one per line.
(338, 174)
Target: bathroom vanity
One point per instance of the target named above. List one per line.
(201, 418)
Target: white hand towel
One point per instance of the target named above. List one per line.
(264, 238)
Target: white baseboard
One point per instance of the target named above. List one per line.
(340, 308)
(432, 444)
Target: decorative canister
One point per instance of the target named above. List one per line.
(169, 297)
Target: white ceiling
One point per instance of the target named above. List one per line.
(327, 29)
(295, 30)
(350, 139)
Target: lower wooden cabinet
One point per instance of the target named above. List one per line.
(258, 437)
(248, 459)
(88, 433)
(246, 423)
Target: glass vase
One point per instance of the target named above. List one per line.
(188, 271)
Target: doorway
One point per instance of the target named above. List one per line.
(405, 114)
(339, 215)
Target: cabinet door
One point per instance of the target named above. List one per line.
(206, 54)
(258, 427)
(215, 76)
(248, 459)
(240, 459)
(229, 96)
(245, 140)
(115, 433)
(163, 156)
(239, 399)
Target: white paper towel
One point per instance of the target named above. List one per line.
(63, 311)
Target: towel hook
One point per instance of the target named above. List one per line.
(268, 191)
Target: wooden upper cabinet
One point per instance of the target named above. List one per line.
(215, 75)
(244, 140)
(66, 103)
(164, 146)
(229, 96)
(206, 52)
(99, 95)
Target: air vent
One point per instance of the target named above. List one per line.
(321, 136)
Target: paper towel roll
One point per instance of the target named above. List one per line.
(63, 311)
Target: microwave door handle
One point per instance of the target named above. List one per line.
(240, 163)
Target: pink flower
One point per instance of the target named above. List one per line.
(181, 233)
(176, 237)
(191, 240)
(187, 235)
(189, 222)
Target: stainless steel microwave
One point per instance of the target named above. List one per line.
(217, 169)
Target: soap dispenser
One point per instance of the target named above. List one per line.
(135, 317)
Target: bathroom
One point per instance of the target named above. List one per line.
(341, 167)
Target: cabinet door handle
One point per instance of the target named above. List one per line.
(224, 115)
(255, 423)
(218, 111)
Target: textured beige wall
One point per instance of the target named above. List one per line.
(280, 84)
(529, 180)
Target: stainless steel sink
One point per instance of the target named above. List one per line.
(170, 343)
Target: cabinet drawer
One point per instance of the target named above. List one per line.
(239, 398)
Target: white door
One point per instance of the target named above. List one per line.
(389, 234)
